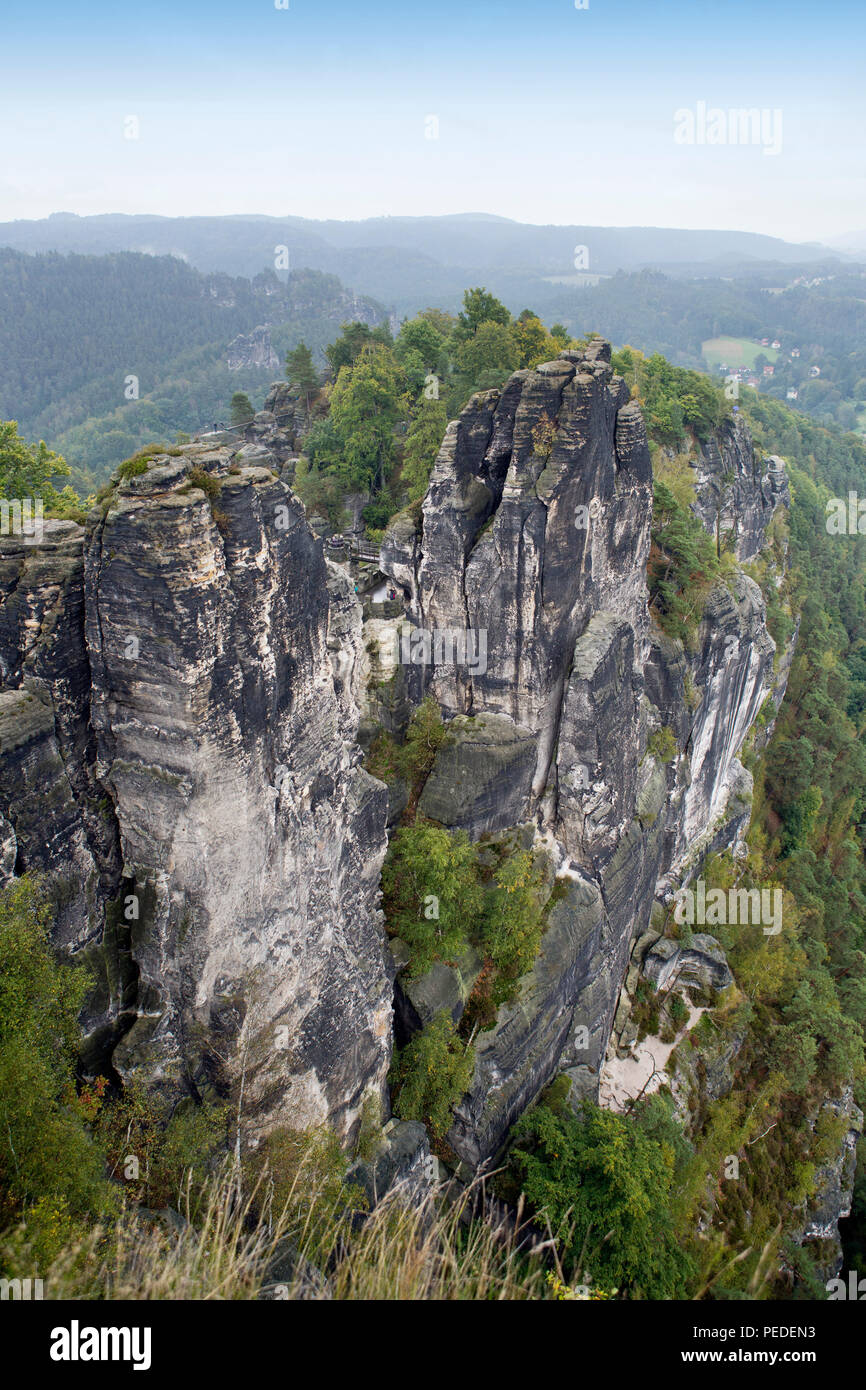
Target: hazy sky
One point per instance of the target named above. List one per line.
(546, 112)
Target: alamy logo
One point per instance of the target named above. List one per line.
(444, 646)
(76, 1343)
(20, 1289)
(737, 907)
(741, 125)
(855, 1290)
(22, 516)
(846, 520)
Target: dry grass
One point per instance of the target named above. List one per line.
(319, 1245)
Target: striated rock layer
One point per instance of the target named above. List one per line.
(534, 535)
(181, 693)
(178, 748)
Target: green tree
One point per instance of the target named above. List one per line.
(480, 307)
(513, 920)
(430, 1075)
(301, 372)
(241, 408)
(319, 490)
(487, 359)
(353, 338)
(51, 1171)
(424, 737)
(421, 336)
(27, 470)
(366, 404)
(534, 344)
(432, 895)
(606, 1186)
(423, 442)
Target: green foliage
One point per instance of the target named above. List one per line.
(486, 358)
(678, 1011)
(479, 308)
(413, 759)
(425, 735)
(81, 316)
(604, 1181)
(366, 404)
(27, 470)
(162, 1160)
(431, 892)
(50, 1167)
(376, 514)
(514, 920)
(423, 441)
(206, 482)
(370, 1127)
(534, 344)
(320, 492)
(662, 744)
(300, 370)
(682, 566)
(430, 1074)
(242, 409)
(421, 336)
(354, 338)
(132, 468)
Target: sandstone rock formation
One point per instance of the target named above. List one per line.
(178, 755)
(252, 350)
(535, 532)
(182, 685)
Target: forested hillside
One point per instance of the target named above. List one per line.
(75, 329)
(825, 323)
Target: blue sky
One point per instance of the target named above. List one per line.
(546, 113)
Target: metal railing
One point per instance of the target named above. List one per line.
(229, 429)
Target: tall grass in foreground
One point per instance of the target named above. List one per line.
(320, 1244)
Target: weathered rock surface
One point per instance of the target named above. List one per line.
(252, 350)
(190, 668)
(186, 682)
(482, 780)
(535, 532)
(401, 1167)
(831, 1201)
(736, 494)
(702, 962)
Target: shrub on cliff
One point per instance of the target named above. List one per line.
(513, 920)
(51, 1171)
(28, 471)
(431, 1073)
(604, 1186)
(682, 566)
(432, 895)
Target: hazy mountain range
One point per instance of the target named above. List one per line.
(410, 262)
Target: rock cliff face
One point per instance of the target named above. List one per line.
(252, 350)
(57, 818)
(181, 691)
(738, 492)
(534, 537)
(178, 747)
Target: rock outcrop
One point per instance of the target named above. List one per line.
(178, 728)
(252, 350)
(182, 689)
(533, 540)
(738, 493)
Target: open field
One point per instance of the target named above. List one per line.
(737, 352)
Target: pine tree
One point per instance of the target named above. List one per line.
(301, 372)
(242, 408)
